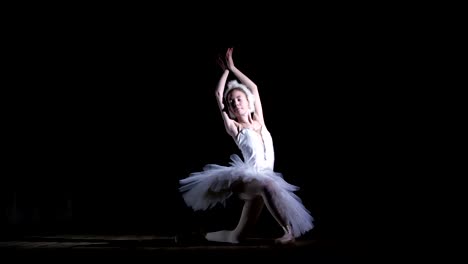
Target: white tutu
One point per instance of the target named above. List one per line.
(213, 185)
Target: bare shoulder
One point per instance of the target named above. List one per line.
(233, 128)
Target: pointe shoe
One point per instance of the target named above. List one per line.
(287, 238)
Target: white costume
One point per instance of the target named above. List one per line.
(202, 190)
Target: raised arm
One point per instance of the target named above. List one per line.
(228, 122)
(247, 82)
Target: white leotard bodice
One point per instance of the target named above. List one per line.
(257, 149)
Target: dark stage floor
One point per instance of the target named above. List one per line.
(173, 248)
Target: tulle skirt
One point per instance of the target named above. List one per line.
(214, 185)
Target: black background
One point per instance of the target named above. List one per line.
(106, 110)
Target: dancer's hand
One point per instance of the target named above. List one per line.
(229, 60)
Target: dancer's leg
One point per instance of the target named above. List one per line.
(253, 205)
(250, 213)
(270, 196)
(251, 210)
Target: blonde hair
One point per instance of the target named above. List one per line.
(234, 84)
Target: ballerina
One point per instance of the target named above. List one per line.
(251, 178)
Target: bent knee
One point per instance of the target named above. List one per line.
(260, 187)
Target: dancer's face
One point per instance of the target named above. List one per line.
(238, 102)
